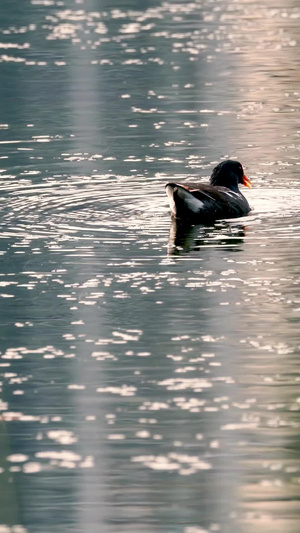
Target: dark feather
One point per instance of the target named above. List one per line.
(205, 203)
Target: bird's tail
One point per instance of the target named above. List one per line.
(182, 202)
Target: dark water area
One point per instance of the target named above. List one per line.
(150, 374)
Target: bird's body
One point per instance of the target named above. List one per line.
(205, 203)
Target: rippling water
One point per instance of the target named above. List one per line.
(150, 374)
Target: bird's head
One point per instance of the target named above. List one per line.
(229, 174)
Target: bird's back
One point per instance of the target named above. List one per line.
(205, 203)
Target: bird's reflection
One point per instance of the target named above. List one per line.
(185, 238)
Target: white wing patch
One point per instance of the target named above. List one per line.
(170, 193)
(190, 201)
(231, 193)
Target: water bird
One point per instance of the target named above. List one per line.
(206, 203)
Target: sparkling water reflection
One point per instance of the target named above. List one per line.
(149, 372)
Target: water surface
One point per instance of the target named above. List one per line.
(150, 375)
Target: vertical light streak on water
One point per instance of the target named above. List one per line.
(84, 94)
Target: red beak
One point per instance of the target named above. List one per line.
(246, 182)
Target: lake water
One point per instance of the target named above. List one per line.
(150, 377)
